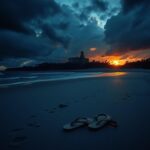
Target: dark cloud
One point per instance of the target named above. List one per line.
(87, 37)
(55, 37)
(18, 45)
(83, 16)
(129, 5)
(129, 30)
(63, 25)
(96, 6)
(76, 5)
(100, 5)
(17, 35)
(48, 29)
(14, 14)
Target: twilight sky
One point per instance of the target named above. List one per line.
(35, 31)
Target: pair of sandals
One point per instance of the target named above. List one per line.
(98, 122)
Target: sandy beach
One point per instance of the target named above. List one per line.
(32, 116)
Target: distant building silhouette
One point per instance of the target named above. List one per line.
(79, 60)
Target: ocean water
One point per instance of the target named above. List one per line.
(8, 79)
(24, 78)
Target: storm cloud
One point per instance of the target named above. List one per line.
(51, 30)
(129, 30)
(19, 20)
(15, 14)
(100, 4)
(19, 45)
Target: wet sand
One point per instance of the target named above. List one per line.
(32, 116)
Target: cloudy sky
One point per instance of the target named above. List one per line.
(35, 31)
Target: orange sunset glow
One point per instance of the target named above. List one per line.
(114, 60)
(93, 49)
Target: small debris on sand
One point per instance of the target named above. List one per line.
(62, 105)
(17, 141)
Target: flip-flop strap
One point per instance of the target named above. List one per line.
(107, 121)
(79, 120)
(96, 118)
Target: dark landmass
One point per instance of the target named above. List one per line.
(145, 64)
(60, 66)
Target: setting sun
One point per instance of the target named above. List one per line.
(116, 62)
(113, 60)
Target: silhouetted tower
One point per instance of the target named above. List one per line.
(79, 60)
(82, 55)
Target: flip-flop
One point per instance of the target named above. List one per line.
(77, 123)
(99, 121)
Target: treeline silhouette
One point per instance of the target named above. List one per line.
(145, 63)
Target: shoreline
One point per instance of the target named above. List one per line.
(74, 77)
(38, 77)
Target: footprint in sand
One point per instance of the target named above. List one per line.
(50, 110)
(17, 130)
(33, 116)
(17, 141)
(86, 97)
(53, 110)
(34, 124)
(126, 97)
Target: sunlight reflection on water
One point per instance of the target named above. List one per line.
(112, 74)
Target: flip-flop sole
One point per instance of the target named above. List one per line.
(100, 122)
(76, 125)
